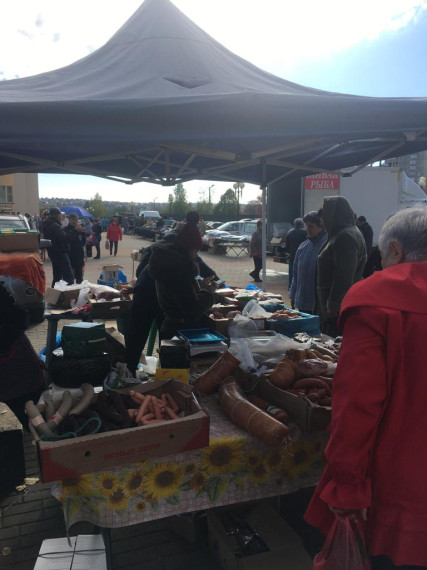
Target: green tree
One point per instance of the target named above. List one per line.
(250, 209)
(227, 205)
(180, 204)
(122, 209)
(96, 207)
(170, 200)
(203, 206)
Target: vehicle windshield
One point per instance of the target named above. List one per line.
(12, 223)
(229, 227)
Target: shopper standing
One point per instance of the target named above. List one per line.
(340, 263)
(88, 233)
(97, 235)
(76, 240)
(59, 250)
(294, 239)
(303, 289)
(114, 235)
(255, 248)
(377, 451)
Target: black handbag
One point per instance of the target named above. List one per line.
(70, 372)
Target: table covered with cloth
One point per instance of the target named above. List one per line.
(235, 468)
(25, 266)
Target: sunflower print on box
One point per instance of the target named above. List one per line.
(234, 468)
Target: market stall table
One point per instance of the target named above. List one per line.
(239, 247)
(235, 468)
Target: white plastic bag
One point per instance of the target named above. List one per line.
(240, 326)
(83, 297)
(272, 349)
(239, 349)
(252, 309)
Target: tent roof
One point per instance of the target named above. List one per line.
(163, 102)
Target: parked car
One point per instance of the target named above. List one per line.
(213, 225)
(240, 230)
(25, 293)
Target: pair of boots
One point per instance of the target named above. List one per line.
(255, 277)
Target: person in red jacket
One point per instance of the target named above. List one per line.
(377, 453)
(114, 235)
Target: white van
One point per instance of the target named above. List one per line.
(153, 214)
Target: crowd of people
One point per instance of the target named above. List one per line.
(73, 241)
(375, 470)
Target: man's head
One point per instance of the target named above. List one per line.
(55, 213)
(360, 221)
(298, 223)
(189, 236)
(403, 237)
(259, 224)
(313, 223)
(73, 219)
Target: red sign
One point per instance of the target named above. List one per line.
(322, 181)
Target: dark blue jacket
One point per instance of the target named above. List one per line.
(304, 274)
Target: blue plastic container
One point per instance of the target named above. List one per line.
(309, 324)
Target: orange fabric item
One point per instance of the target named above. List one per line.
(25, 266)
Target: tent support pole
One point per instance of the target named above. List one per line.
(264, 225)
(264, 237)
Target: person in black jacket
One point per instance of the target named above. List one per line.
(145, 307)
(59, 250)
(174, 268)
(97, 234)
(76, 240)
(367, 233)
(294, 239)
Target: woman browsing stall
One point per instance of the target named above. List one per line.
(377, 452)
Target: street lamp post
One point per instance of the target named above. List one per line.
(238, 190)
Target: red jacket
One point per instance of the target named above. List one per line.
(377, 452)
(114, 232)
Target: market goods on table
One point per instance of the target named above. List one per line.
(210, 380)
(264, 427)
(123, 440)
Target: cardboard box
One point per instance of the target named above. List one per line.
(190, 526)
(285, 548)
(102, 309)
(83, 340)
(19, 241)
(110, 273)
(72, 553)
(72, 457)
(181, 374)
(308, 416)
(115, 342)
(62, 299)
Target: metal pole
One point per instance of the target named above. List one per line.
(264, 238)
